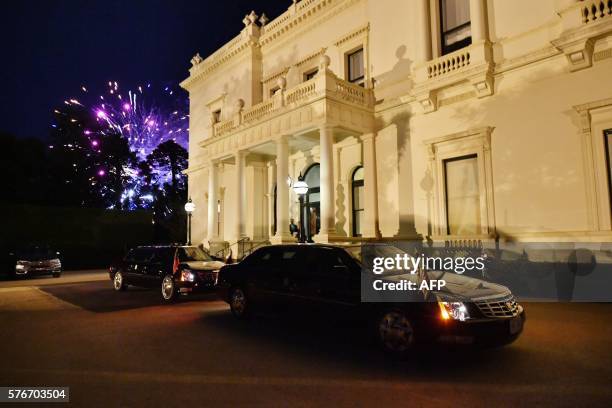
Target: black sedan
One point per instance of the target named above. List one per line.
(175, 270)
(327, 279)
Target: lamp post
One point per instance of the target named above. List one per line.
(189, 208)
(301, 188)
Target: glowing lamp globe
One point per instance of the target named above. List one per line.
(300, 187)
(189, 206)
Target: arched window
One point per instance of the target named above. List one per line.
(357, 190)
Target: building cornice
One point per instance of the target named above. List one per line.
(297, 16)
(353, 34)
(228, 52)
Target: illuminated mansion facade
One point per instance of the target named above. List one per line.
(425, 119)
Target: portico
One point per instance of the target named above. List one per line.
(315, 115)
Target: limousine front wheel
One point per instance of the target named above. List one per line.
(239, 303)
(396, 333)
(118, 281)
(168, 289)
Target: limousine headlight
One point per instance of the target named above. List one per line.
(453, 310)
(187, 275)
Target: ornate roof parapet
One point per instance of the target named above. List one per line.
(258, 31)
(196, 59)
(248, 37)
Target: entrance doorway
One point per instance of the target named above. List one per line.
(311, 210)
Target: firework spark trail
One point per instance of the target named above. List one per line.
(145, 117)
(145, 125)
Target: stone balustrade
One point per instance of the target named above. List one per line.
(258, 111)
(324, 85)
(449, 63)
(472, 65)
(301, 91)
(582, 23)
(595, 10)
(223, 127)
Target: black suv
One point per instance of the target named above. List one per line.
(172, 268)
(327, 279)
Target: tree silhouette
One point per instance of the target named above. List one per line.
(114, 161)
(173, 158)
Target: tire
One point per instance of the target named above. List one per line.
(239, 303)
(395, 333)
(169, 291)
(119, 282)
(57, 274)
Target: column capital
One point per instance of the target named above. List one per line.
(366, 137)
(327, 127)
(281, 138)
(241, 153)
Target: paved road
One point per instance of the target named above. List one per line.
(46, 280)
(126, 349)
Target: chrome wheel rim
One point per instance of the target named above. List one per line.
(167, 287)
(118, 281)
(396, 332)
(238, 301)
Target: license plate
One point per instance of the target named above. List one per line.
(516, 325)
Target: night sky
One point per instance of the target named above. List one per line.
(49, 49)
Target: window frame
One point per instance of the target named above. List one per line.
(273, 90)
(347, 61)
(354, 185)
(445, 178)
(595, 120)
(471, 142)
(444, 49)
(216, 116)
(310, 74)
(607, 134)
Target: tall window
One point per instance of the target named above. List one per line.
(216, 116)
(310, 74)
(358, 193)
(608, 143)
(462, 195)
(274, 90)
(455, 25)
(355, 67)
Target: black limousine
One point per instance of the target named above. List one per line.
(174, 269)
(328, 278)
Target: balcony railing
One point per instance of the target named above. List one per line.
(582, 23)
(300, 92)
(257, 111)
(595, 10)
(449, 63)
(325, 84)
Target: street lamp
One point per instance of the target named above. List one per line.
(301, 188)
(189, 208)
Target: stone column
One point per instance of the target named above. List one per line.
(212, 202)
(282, 192)
(424, 44)
(240, 229)
(328, 205)
(370, 184)
(478, 20)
